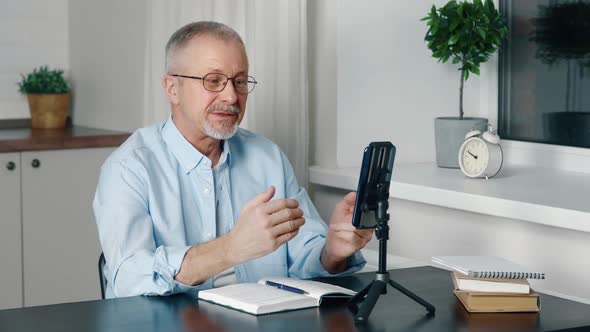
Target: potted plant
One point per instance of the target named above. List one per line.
(467, 33)
(562, 33)
(48, 94)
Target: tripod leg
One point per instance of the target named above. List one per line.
(358, 297)
(366, 307)
(413, 296)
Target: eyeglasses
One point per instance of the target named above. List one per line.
(216, 82)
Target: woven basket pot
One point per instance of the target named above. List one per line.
(49, 111)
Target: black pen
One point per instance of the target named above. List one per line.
(285, 287)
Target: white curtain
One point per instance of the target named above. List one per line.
(275, 34)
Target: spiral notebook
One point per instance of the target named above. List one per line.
(487, 267)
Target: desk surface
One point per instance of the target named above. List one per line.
(393, 312)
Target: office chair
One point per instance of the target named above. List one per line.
(101, 277)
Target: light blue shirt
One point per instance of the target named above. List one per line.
(156, 197)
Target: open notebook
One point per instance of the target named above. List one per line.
(260, 298)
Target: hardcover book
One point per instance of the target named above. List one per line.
(496, 302)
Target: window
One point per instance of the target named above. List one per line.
(544, 73)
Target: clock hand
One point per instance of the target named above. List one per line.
(474, 156)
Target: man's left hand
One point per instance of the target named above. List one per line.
(343, 238)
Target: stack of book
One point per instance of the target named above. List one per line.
(491, 284)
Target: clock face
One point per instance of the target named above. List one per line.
(474, 157)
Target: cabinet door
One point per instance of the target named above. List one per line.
(60, 240)
(11, 277)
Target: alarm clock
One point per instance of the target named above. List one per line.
(480, 156)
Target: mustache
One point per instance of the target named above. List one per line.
(223, 108)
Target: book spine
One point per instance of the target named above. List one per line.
(508, 275)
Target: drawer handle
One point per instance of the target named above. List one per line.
(35, 163)
(10, 166)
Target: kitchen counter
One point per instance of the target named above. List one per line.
(27, 139)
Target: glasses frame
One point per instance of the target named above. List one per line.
(250, 80)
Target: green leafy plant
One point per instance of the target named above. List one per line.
(468, 33)
(43, 80)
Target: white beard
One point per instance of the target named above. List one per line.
(227, 132)
(220, 134)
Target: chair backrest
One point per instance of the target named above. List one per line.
(101, 277)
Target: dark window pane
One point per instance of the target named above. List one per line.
(545, 72)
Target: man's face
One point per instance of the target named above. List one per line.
(197, 111)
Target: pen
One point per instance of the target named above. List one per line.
(285, 287)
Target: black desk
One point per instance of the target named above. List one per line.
(393, 312)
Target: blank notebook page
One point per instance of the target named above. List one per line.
(254, 294)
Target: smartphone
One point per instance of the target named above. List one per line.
(374, 181)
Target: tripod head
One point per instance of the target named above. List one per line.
(373, 186)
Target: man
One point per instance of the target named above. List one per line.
(195, 202)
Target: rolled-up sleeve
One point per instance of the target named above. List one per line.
(135, 265)
(306, 248)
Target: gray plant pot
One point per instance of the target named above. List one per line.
(449, 134)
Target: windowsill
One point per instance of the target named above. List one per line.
(539, 195)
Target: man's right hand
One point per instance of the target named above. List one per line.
(263, 226)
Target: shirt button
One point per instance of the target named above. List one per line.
(206, 191)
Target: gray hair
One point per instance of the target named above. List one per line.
(183, 35)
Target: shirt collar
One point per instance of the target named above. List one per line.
(186, 154)
(225, 154)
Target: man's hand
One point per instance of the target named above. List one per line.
(343, 238)
(263, 226)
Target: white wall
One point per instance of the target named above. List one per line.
(421, 231)
(107, 47)
(389, 87)
(404, 90)
(99, 44)
(323, 82)
(33, 33)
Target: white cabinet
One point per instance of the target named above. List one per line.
(60, 246)
(11, 273)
